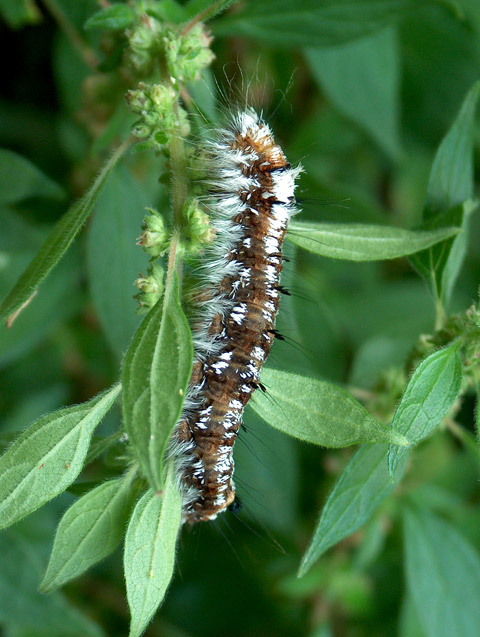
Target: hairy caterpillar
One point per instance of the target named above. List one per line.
(250, 198)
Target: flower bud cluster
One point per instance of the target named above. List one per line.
(145, 45)
(150, 288)
(160, 116)
(155, 238)
(198, 229)
(187, 55)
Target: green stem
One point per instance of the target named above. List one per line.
(178, 167)
(207, 14)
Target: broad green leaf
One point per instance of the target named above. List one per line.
(18, 13)
(449, 188)
(409, 622)
(318, 412)
(312, 22)
(156, 371)
(20, 179)
(364, 483)
(58, 242)
(443, 576)
(23, 611)
(361, 78)
(360, 242)
(150, 552)
(118, 216)
(427, 399)
(441, 263)
(451, 177)
(48, 456)
(112, 18)
(91, 529)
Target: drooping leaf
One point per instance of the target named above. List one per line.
(316, 411)
(361, 78)
(48, 456)
(450, 188)
(362, 486)
(359, 242)
(89, 531)
(312, 22)
(20, 179)
(112, 248)
(156, 371)
(150, 552)
(58, 242)
(443, 576)
(427, 399)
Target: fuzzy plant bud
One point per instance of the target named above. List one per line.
(145, 44)
(187, 55)
(155, 238)
(150, 288)
(159, 118)
(199, 230)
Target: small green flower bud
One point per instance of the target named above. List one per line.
(188, 55)
(155, 238)
(145, 44)
(155, 105)
(151, 288)
(199, 229)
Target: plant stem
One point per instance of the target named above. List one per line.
(178, 167)
(207, 13)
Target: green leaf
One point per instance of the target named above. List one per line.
(91, 529)
(360, 242)
(450, 187)
(363, 485)
(443, 576)
(156, 371)
(48, 456)
(18, 13)
(118, 216)
(150, 552)
(22, 610)
(317, 412)
(427, 399)
(113, 18)
(29, 328)
(441, 264)
(361, 78)
(20, 179)
(451, 177)
(58, 242)
(312, 22)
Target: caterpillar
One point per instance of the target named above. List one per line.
(250, 198)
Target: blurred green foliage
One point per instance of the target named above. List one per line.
(362, 94)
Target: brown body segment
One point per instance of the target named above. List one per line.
(229, 376)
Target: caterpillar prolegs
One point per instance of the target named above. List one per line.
(250, 199)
